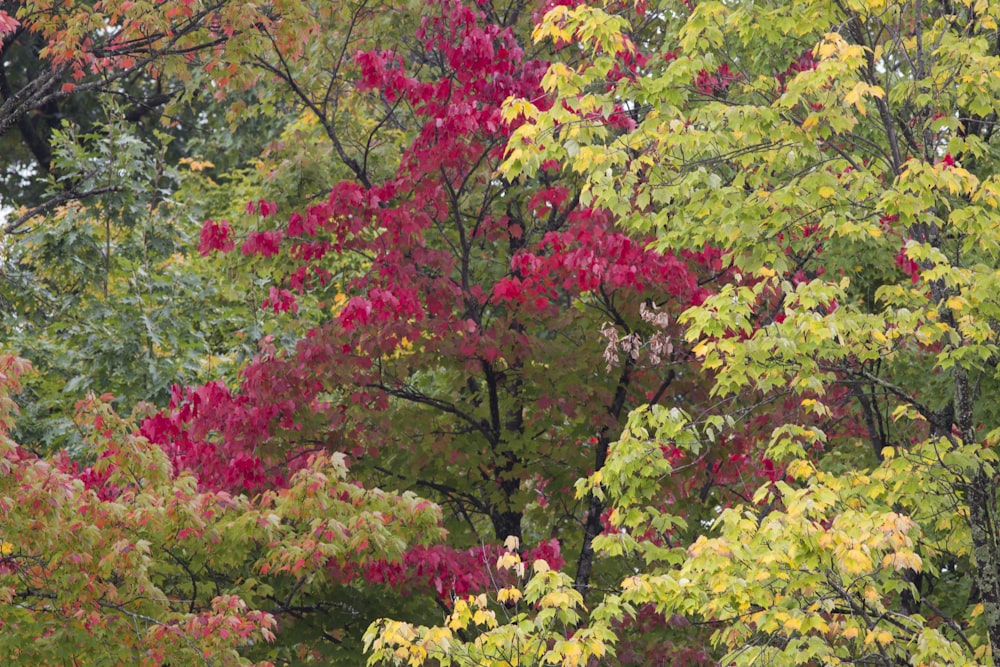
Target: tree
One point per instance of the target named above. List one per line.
(484, 325)
(101, 283)
(126, 562)
(464, 357)
(63, 62)
(99, 262)
(456, 336)
(841, 158)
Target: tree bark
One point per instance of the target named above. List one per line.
(592, 526)
(981, 496)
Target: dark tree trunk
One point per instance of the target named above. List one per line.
(981, 496)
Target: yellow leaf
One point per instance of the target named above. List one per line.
(508, 595)
(832, 43)
(955, 303)
(517, 108)
(482, 617)
(196, 165)
(860, 89)
(439, 636)
(856, 561)
(899, 412)
(508, 560)
(556, 600)
(459, 616)
(800, 469)
(826, 192)
(810, 122)
(634, 583)
(417, 656)
(903, 560)
(572, 655)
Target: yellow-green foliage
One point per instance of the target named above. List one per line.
(855, 202)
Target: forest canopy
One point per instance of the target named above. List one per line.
(527, 332)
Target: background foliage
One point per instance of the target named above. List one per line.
(672, 325)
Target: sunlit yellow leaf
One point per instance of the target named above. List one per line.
(508, 595)
(701, 348)
(856, 561)
(508, 560)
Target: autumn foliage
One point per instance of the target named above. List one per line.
(674, 323)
